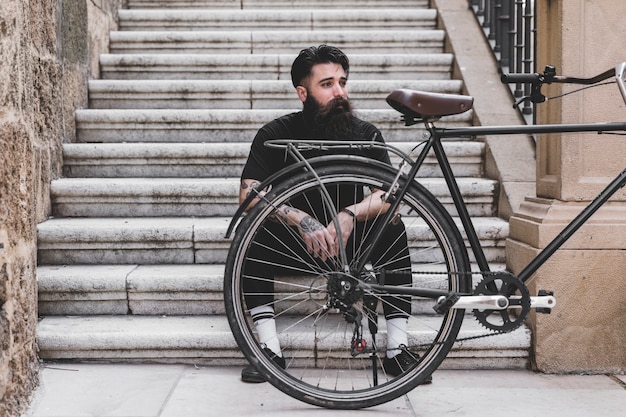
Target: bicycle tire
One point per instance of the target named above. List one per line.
(315, 341)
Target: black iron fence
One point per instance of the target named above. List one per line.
(510, 27)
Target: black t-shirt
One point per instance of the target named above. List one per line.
(264, 161)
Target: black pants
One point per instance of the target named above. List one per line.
(278, 250)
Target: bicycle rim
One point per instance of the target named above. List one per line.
(322, 367)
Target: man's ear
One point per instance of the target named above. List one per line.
(302, 93)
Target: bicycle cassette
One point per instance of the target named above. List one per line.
(516, 292)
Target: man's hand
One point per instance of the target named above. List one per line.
(318, 239)
(346, 224)
(322, 241)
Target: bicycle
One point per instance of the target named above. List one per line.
(327, 312)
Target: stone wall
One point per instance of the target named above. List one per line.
(49, 50)
(585, 332)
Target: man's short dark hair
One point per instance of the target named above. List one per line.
(308, 57)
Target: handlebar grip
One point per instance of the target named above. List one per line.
(520, 78)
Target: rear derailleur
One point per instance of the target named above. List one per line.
(344, 292)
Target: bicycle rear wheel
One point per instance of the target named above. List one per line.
(323, 365)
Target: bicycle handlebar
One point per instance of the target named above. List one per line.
(549, 76)
(520, 78)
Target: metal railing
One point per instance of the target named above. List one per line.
(510, 28)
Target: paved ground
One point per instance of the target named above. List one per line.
(105, 390)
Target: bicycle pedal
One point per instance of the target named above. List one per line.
(445, 303)
(544, 293)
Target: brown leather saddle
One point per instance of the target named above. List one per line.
(428, 106)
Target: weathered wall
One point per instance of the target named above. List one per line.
(49, 49)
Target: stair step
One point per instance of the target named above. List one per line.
(154, 197)
(220, 125)
(208, 340)
(272, 42)
(154, 290)
(427, 66)
(185, 240)
(133, 268)
(272, 4)
(276, 20)
(207, 160)
(241, 94)
(131, 289)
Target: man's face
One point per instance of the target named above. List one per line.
(326, 82)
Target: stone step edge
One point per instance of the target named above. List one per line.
(214, 160)
(280, 61)
(239, 38)
(176, 197)
(242, 94)
(182, 240)
(179, 232)
(353, 41)
(260, 86)
(275, 66)
(222, 126)
(228, 117)
(211, 190)
(103, 125)
(272, 4)
(208, 338)
(141, 289)
(312, 18)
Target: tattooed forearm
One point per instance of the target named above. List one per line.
(283, 212)
(250, 186)
(280, 213)
(309, 224)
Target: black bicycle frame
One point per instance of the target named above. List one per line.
(434, 143)
(569, 230)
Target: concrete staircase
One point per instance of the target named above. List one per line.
(131, 264)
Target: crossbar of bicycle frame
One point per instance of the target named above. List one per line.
(574, 225)
(434, 143)
(472, 131)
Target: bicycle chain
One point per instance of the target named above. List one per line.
(493, 332)
(463, 339)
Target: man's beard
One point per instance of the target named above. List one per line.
(335, 119)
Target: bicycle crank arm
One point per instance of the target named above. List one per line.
(500, 302)
(543, 303)
(491, 302)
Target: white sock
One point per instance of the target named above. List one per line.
(396, 335)
(263, 317)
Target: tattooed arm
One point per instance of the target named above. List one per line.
(246, 187)
(318, 240)
(369, 208)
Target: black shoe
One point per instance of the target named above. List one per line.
(402, 362)
(250, 374)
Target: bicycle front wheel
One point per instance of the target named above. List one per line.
(334, 334)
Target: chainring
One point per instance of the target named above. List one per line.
(505, 284)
